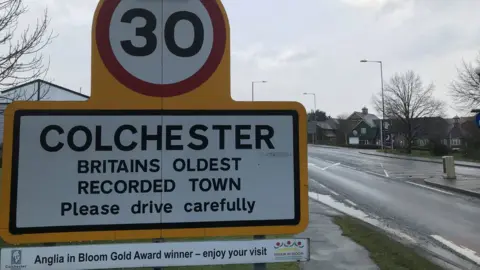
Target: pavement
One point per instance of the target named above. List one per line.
(391, 194)
(329, 249)
(431, 160)
(465, 183)
(467, 186)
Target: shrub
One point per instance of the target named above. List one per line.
(438, 149)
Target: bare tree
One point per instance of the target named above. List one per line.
(343, 116)
(465, 89)
(408, 99)
(21, 59)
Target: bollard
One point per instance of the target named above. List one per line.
(449, 168)
(259, 266)
(159, 240)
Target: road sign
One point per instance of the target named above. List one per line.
(387, 139)
(477, 120)
(161, 48)
(160, 150)
(386, 125)
(133, 255)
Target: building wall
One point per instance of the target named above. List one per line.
(364, 138)
(29, 92)
(47, 92)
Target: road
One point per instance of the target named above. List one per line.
(387, 191)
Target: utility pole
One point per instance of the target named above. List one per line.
(253, 88)
(383, 98)
(315, 116)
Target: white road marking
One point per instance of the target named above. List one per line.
(317, 183)
(431, 188)
(328, 167)
(324, 187)
(472, 255)
(385, 171)
(350, 202)
(313, 165)
(334, 193)
(325, 168)
(346, 209)
(343, 165)
(356, 169)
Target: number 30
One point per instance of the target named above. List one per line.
(147, 32)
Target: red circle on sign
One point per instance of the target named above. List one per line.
(160, 90)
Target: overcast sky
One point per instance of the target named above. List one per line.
(305, 46)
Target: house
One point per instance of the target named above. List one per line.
(366, 129)
(457, 133)
(426, 130)
(37, 90)
(359, 127)
(325, 131)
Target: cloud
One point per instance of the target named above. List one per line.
(376, 4)
(275, 58)
(315, 46)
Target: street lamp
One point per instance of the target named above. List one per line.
(383, 99)
(314, 99)
(253, 87)
(314, 115)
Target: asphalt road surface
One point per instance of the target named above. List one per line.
(388, 192)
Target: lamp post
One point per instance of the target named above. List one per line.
(383, 99)
(314, 117)
(314, 100)
(253, 87)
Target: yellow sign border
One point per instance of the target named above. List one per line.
(155, 233)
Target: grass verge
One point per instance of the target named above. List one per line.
(384, 251)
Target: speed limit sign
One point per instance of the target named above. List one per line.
(161, 48)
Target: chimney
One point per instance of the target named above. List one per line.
(456, 121)
(364, 110)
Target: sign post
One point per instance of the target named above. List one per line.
(160, 150)
(387, 135)
(477, 119)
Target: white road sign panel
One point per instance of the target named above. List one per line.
(155, 254)
(111, 170)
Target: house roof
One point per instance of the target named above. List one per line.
(333, 123)
(346, 125)
(425, 127)
(368, 118)
(457, 131)
(43, 82)
(324, 125)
